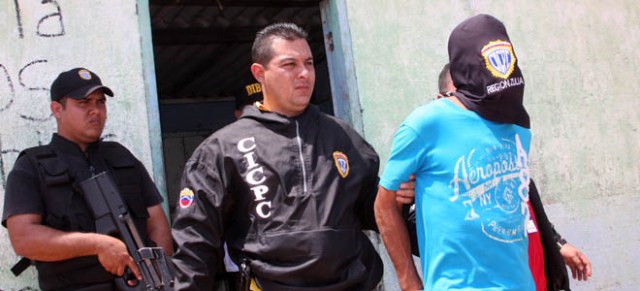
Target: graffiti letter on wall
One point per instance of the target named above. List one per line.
(57, 15)
(21, 77)
(18, 18)
(52, 22)
(6, 98)
(6, 155)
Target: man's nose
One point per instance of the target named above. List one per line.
(94, 107)
(305, 72)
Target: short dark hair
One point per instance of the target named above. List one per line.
(444, 78)
(261, 52)
(63, 101)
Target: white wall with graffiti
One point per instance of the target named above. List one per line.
(40, 39)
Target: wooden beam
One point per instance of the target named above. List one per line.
(238, 3)
(201, 36)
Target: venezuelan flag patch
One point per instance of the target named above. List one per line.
(186, 198)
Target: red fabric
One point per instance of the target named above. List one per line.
(536, 255)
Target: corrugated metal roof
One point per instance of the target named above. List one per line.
(202, 47)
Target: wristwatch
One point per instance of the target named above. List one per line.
(561, 242)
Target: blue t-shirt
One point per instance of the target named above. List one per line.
(472, 180)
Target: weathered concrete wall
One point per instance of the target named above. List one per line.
(581, 71)
(43, 38)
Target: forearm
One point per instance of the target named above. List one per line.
(163, 240)
(396, 239)
(42, 243)
(158, 229)
(38, 242)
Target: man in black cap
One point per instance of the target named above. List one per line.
(469, 152)
(249, 94)
(46, 216)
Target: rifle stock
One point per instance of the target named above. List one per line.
(112, 218)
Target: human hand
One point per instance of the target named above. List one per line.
(114, 257)
(407, 192)
(578, 263)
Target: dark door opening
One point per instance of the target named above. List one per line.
(202, 54)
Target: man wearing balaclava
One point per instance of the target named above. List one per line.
(470, 153)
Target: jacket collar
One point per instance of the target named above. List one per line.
(268, 117)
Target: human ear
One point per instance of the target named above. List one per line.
(56, 108)
(258, 72)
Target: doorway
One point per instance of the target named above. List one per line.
(202, 55)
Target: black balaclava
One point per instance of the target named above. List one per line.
(485, 71)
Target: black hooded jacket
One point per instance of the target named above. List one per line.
(554, 266)
(292, 195)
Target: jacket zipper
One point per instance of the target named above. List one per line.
(304, 170)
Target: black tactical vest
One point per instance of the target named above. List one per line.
(66, 210)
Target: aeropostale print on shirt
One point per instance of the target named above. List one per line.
(491, 184)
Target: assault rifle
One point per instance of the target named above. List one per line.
(112, 218)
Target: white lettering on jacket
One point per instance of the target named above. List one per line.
(255, 177)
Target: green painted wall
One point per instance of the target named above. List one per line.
(581, 72)
(43, 38)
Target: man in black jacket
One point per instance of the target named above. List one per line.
(289, 188)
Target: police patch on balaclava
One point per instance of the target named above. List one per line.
(485, 71)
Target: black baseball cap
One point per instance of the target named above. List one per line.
(77, 83)
(249, 94)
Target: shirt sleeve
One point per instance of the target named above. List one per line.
(198, 226)
(406, 150)
(22, 193)
(369, 188)
(150, 192)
